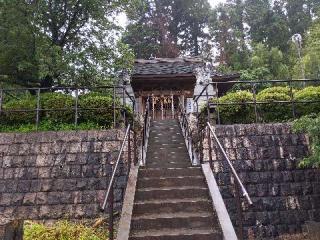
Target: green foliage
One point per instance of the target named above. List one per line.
(102, 106)
(64, 102)
(95, 111)
(275, 112)
(63, 230)
(61, 42)
(47, 125)
(14, 109)
(272, 111)
(239, 113)
(311, 61)
(266, 64)
(308, 94)
(167, 28)
(311, 126)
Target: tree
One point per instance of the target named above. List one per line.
(311, 60)
(266, 63)
(166, 28)
(227, 31)
(73, 42)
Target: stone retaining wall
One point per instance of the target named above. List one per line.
(267, 157)
(54, 175)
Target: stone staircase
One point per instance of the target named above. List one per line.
(172, 198)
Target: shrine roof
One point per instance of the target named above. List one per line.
(167, 66)
(182, 66)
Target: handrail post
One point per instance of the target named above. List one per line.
(135, 148)
(111, 198)
(239, 210)
(129, 151)
(210, 148)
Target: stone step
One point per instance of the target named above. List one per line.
(175, 142)
(172, 181)
(174, 160)
(170, 193)
(173, 220)
(163, 172)
(174, 206)
(177, 234)
(181, 164)
(166, 150)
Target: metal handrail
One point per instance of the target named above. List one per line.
(243, 189)
(185, 125)
(110, 191)
(145, 133)
(115, 169)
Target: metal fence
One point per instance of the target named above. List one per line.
(121, 100)
(254, 87)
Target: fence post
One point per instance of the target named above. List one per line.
(253, 86)
(1, 100)
(292, 100)
(38, 109)
(114, 106)
(218, 112)
(76, 108)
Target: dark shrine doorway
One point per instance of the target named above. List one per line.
(164, 106)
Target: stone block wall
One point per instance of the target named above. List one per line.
(266, 157)
(54, 175)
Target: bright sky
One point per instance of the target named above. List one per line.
(216, 2)
(123, 19)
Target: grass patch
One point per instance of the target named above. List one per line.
(50, 126)
(63, 230)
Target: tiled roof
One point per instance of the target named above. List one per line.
(164, 66)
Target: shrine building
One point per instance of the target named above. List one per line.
(168, 82)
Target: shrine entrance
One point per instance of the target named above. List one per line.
(164, 107)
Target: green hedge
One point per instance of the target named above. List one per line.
(102, 106)
(308, 94)
(274, 112)
(51, 101)
(100, 116)
(270, 112)
(238, 113)
(13, 111)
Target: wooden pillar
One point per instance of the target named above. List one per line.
(162, 99)
(152, 106)
(172, 106)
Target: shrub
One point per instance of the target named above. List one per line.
(51, 101)
(27, 103)
(311, 126)
(102, 116)
(307, 94)
(63, 230)
(47, 125)
(275, 112)
(238, 113)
